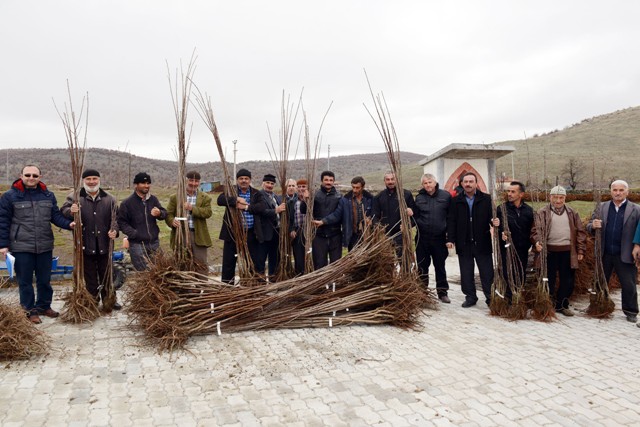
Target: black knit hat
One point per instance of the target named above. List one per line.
(269, 178)
(243, 172)
(90, 172)
(142, 177)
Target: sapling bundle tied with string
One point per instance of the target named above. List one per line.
(513, 271)
(170, 305)
(601, 306)
(80, 306)
(542, 307)
(19, 337)
(499, 305)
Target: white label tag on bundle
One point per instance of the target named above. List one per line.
(219, 332)
(334, 287)
(330, 322)
(500, 295)
(212, 310)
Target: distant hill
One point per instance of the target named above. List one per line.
(118, 168)
(608, 143)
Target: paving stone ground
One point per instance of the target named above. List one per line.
(464, 368)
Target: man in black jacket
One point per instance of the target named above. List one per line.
(469, 229)
(430, 215)
(273, 206)
(98, 212)
(328, 240)
(250, 202)
(386, 209)
(519, 220)
(137, 219)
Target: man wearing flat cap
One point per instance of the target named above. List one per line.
(296, 224)
(197, 209)
(98, 213)
(249, 201)
(565, 240)
(137, 218)
(270, 222)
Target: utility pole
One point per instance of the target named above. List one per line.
(235, 150)
(328, 157)
(7, 167)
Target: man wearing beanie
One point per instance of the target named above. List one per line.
(565, 240)
(296, 225)
(137, 218)
(270, 221)
(98, 213)
(197, 209)
(250, 202)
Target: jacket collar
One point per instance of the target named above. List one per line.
(19, 185)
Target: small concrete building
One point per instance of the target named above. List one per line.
(450, 163)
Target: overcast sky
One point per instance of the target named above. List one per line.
(451, 71)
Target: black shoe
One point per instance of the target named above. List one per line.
(117, 306)
(445, 299)
(632, 318)
(467, 303)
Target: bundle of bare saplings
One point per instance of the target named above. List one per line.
(170, 305)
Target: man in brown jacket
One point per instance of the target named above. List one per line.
(565, 240)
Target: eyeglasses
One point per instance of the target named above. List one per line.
(31, 175)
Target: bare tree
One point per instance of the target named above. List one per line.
(573, 172)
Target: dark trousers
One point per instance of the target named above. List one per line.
(229, 256)
(269, 251)
(26, 264)
(433, 249)
(559, 263)
(298, 253)
(467, 279)
(353, 241)
(627, 273)
(141, 253)
(323, 246)
(95, 274)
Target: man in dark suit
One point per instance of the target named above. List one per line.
(469, 230)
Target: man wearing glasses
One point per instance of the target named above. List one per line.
(26, 211)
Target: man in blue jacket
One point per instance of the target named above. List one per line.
(26, 211)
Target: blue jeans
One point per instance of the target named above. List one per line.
(141, 253)
(26, 264)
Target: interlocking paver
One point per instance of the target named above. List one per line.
(464, 368)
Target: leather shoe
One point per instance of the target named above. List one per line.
(34, 318)
(467, 304)
(117, 306)
(632, 318)
(566, 311)
(49, 312)
(445, 299)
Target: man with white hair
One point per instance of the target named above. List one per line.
(618, 220)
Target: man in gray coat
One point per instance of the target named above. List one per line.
(618, 219)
